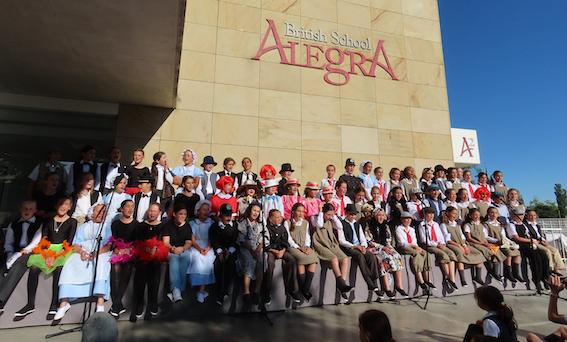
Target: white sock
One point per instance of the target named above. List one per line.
(100, 308)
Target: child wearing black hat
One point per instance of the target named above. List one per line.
(207, 186)
(285, 172)
(224, 235)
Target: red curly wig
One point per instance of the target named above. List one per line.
(223, 181)
(481, 190)
(265, 168)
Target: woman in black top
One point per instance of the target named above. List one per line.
(187, 197)
(124, 233)
(58, 233)
(136, 171)
(177, 235)
(151, 253)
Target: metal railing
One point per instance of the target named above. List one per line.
(555, 230)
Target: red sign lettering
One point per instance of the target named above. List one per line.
(315, 53)
(466, 148)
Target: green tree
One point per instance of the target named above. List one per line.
(546, 209)
(561, 196)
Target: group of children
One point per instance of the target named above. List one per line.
(216, 227)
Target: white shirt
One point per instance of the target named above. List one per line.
(342, 239)
(503, 212)
(111, 175)
(431, 226)
(384, 188)
(291, 241)
(447, 235)
(511, 229)
(467, 227)
(143, 206)
(209, 190)
(414, 209)
(346, 200)
(9, 240)
(159, 179)
(326, 181)
(534, 226)
(84, 203)
(490, 328)
(469, 187)
(402, 236)
(318, 221)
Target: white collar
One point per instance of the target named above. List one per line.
(297, 223)
(224, 196)
(31, 220)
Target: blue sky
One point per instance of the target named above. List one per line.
(506, 69)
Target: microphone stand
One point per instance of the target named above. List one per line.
(429, 290)
(87, 313)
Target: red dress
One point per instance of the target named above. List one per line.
(219, 199)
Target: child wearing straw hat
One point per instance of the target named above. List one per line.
(292, 197)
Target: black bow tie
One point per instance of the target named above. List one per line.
(28, 222)
(144, 195)
(113, 166)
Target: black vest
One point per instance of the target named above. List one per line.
(349, 234)
(17, 229)
(521, 230)
(104, 173)
(153, 199)
(78, 169)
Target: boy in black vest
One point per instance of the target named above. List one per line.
(109, 171)
(144, 198)
(526, 237)
(86, 164)
(207, 186)
(353, 243)
(223, 235)
(247, 174)
(22, 236)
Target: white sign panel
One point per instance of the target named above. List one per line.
(465, 147)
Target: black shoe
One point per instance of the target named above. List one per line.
(464, 283)
(307, 296)
(430, 285)
(391, 295)
(268, 300)
(401, 292)
(247, 306)
(220, 300)
(295, 297)
(53, 309)
(380, 293)
(139, 311)
(26, 310)
(256, 298)
(479, 281)
(452, 284)
(423, 286)
(113, 313)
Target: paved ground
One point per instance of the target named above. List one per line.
(441, 321)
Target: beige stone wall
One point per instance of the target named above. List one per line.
(231, 105)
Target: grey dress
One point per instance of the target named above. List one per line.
(453, 232)
(252, 234)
